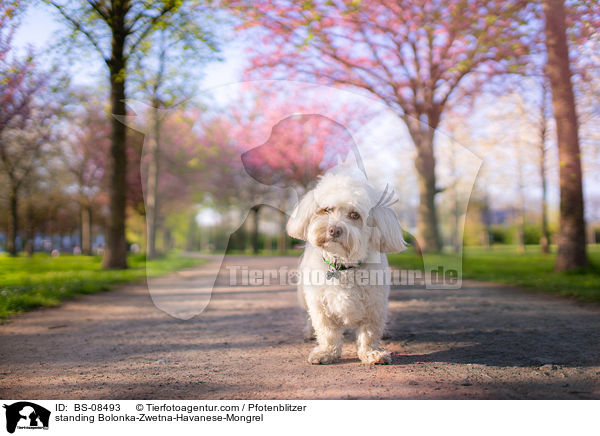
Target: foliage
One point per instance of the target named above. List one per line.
(502, 234)
(93, 21)
(421, 57)
(86, 147)
(413, 55)
(120, 31)
(31, 102)
(418, 57)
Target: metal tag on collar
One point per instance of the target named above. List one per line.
(333, 273)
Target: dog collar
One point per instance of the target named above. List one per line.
(339, 266)
(335, 268)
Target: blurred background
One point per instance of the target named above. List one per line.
(123, 123)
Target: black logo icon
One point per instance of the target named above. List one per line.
(26, 415)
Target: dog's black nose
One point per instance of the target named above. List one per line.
(334, 231)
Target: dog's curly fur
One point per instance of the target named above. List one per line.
(343, 223)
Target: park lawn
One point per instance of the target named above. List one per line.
(531, 270)
(41, 280)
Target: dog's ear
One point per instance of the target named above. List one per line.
(387, 233)
(298, 222)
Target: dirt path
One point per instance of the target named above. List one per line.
(483, 341)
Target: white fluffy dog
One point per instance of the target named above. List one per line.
(344, 279)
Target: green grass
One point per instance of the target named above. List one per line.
(40, 280)
(531, 270)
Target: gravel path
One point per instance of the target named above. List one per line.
(483, 341)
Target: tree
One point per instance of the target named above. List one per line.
(521, 211)
(85, 158)
(117, 30)
(543, 134)
(419, 57)
(26, 118)
(158, 101)
(187, 167)
(165, 78)
(571, 234)
(299, 149)
(232, 135)
(294, 149)
(21, 148)
(46, 205)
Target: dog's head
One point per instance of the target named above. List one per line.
(346, 217)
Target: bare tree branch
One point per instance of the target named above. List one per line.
(77, 25)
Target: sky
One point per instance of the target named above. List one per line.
(40, 25)
(37, 28)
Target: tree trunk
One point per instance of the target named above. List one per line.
(485, 218)
(571, 235)
(13, 221)
(255, 211)
(282, 237)
(190, 244)
(204, 240)
(591, 235)
(521, 230)
(545, 237)
(521, 212)
(152, 184)
(115, 255)
(86, 229)
(29, 231)
(456, 243)
(427, 225)
(167, 240)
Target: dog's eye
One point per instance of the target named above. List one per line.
(326, 210)
(353, 215)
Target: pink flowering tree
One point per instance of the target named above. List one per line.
(419, 57)
(270, 140)
(85, 156)
(28, 111)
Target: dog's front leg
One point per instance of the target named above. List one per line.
(308, 331)
(367, 343)
(329, 339)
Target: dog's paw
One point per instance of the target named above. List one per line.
(319, 356)
(309, 334)
(376, 357)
